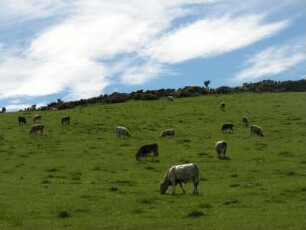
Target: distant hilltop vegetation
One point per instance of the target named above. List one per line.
(187, 91)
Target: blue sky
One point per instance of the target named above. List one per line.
(73, 49)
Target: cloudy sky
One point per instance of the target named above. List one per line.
(73, 49)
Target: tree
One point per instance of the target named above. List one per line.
(3, 110)
(206, 83)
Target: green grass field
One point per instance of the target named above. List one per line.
(85, 173)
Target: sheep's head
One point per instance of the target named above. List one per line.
(164, 184)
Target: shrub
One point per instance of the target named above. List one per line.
(117, 98)
(145, 96)
(223, 89)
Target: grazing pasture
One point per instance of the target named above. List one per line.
(82, 176)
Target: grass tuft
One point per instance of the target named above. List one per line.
(76, 175)
(286, 154)
(52, 169)
(206, 205)
(96, 168)
(46, 181)
(124, 182)
(195, 214)
(202, 154)
(150, 168)
(138, 211)
(234, 185)
(231, 202)
(113, 189)
(146, 201)
(63, 214)
(290, 173)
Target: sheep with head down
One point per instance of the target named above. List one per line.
(179, 174)
(167, 133)
(121, 131)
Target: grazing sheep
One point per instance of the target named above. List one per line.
(167, 132)
(170, 98)
(38, 128)
(256, 130)
(144, 151)
(221, 147)
(222, 106)
(22, 120)
(36, 118)
(245, 120)
(66, 120)
(228, 127)
(179, 174)
(122, 131)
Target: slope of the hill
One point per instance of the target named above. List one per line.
(85, 173)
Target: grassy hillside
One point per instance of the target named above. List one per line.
(87, 171)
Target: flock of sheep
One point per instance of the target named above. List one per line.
(39, 128)
(177, 174)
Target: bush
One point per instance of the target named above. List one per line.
(145, 96)
(67, 105)
(117, 98)
(223, 89)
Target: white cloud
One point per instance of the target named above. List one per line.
(211, 37)
(138, 75)
(92, 36)
(273, 60)
(28, 77)
(12, 107)
(16, 107)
